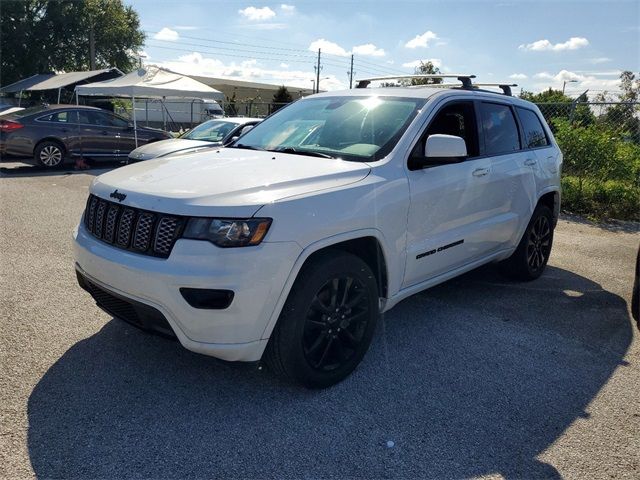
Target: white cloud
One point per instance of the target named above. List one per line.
(167, 34)
(582, 82)
(421, 40)
(573, 43)
(368, 49)
(328, 47)
(518, 76)
(287, 8)
(284, 65)
(416, 63)
(561, 76)
(257, 14)
(196, 64)
(599, 60)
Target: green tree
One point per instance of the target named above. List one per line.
(623, 117)
(38, 36)
(280, 98)
(425, 68)
(554, 105)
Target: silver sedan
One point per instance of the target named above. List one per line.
(212, 133)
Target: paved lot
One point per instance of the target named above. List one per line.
(477, 377)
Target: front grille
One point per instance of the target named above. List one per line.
(140, 231)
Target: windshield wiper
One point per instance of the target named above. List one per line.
(295, 151)
(246, 147)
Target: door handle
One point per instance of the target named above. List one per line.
(530, 162)
(480, 172)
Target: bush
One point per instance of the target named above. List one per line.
(601, 199)
(601, 171)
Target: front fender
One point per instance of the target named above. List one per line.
(314, 248)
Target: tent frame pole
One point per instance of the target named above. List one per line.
(135, 124)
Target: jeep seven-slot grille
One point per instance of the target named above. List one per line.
(140, 231)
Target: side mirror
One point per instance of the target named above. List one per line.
(445, 147)
(440, 149)
(245, 129)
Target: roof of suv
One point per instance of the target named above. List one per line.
(425, 92)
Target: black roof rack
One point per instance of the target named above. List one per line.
(465, 79)
(506, 87)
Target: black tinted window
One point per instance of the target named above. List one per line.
(533, 131)
(102, 119)
(457, 119)
(500, 129)
(59, 117)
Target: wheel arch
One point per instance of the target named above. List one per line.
(551, 199)
(50, 139)
(368, 245)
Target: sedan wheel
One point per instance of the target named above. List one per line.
(49, 154)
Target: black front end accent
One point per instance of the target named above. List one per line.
(136, 313)
(206, 298)
(133, 229)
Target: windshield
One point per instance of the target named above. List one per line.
(211, 131)
(350, 128)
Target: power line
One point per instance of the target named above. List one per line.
(336, 60)
(234, 55)
(230, 43)
(243, 50)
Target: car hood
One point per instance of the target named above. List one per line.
(166, 147)
(224, 182)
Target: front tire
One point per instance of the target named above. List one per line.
(327, 323)
(531, 257)
(49, 154)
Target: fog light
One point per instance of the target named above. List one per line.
(207, 299)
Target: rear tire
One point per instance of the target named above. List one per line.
(49, 154)
(531, 257)
(327, 322)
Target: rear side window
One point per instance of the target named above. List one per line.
(534, 134)
(499, 128)
(59, 117)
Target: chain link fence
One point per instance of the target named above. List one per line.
(249, 108)
(600, 142)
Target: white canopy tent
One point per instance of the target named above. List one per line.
(150, 82)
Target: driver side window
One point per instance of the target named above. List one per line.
(458, 119)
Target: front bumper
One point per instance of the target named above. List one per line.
(256, 275)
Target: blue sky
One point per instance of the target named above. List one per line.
(534, 44)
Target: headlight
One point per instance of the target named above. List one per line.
(228, 232)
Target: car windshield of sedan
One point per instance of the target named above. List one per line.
(350, 128)
(211, 131)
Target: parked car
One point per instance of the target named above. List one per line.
(635, 299)
(211, 133)
(54, 135)
(291, 243)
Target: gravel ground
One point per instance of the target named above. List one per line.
(477, 377)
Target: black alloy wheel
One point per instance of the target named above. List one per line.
(327, 323)
(530, 258)
(539, 245)
(335, 323)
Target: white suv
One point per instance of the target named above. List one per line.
(289, 244)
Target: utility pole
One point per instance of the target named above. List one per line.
(92, 49)
(318, 68)
(351, 73)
